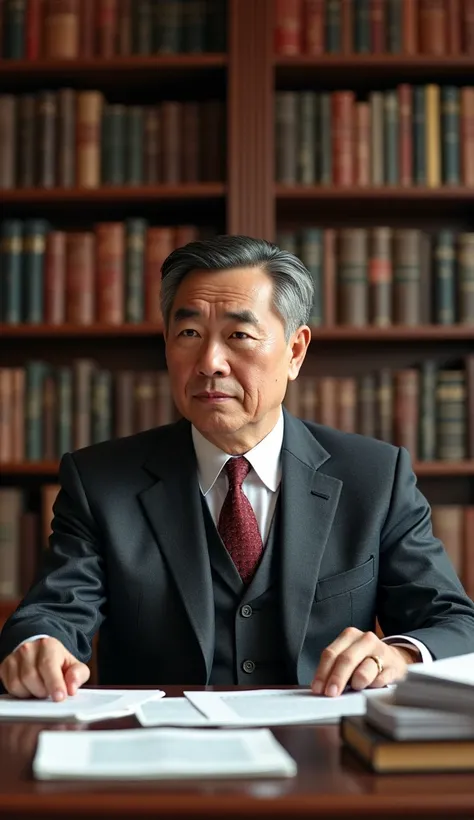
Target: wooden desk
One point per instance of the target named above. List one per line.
(330, 783)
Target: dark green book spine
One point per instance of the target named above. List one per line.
(11, 271)
(419, 135)
(135, 270)
(113, 145)
(445, 278)
(142, 27)
(34, 251)
(134, 145)
(307, 137)
(333, 26)
(325, 140)
(451, 426)
(312, 256)
(362, 26)
(216, 24)
(101, 406)
(34, 378)
(450, 132)
(466, 278)
(14, 35)
(64, 393)
(427, 429)
(394, 26)
(168, 27)
(194, 26)
(27, 141)
(391, 118)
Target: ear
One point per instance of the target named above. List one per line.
(299, 344)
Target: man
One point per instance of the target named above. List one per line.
(239, 545)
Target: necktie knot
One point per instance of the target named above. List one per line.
(237, 470)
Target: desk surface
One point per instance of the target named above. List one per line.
(330, 783)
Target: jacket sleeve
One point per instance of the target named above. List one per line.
(419, 593)
(68, 600)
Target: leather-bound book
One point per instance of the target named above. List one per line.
(451, 415)
(384, 405)
(124, 28)
(6, 415)
(410, 26)
(405, 140)
(8, 141)
(406, 411)
(288, 27)
(432, 18)
(102, 405)
(342, 137)
(49, 417)
(159, 244)
(145, 401)
(87, 28)
(367, 405)
(433, 136)
(55, 278)
(18, 415)
(470, 399)
(286, 112)
(362, 144)
(406, 276)
(353, 277)
(466, 278)
(14, 13)
(83, 370)
(27, 141)
(34, 29)
(124, 403)
(11, 508)
(454, 27)
(450, 135)
(172, 136)
(110, 264)
(444, 265)
(47, 112)
(380, 276)
(61, 29)
(165, 408)
(135, 269)
(467, 134)
(427, 425)
(134, 139)
(34, 249)
(65, 410)
(88, 138)
(313, 27)
(346, 405)
(80, 277)
(152, 146)
(66, 138)
(107, 28)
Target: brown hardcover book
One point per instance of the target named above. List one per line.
(8, 141)
(468, 27)
(346, 405)
(327, 400)
(426, 279)
(342, 137)
(468, 572)
(213, 141)
(190, 146)
(80, 277)
(18, 415)
(48, 418)
(83, 370)
(6, 414)
(152, 146)
(405, 125)
(145, 401)
(49, 494)
(454, 26)
(165, 408)
(286, 136)
(406, 276)
(27, 143)
(11, 508)
(367, 405)
(362, 144)
(451, 412)
(47, 129)
(347, 26)
(124, 403)
(410, 26)
(448, 526)
(66, 153)
(288, 27)
(125, 28)
(406, 384)
(184, 234)
(313, 26)
(432, 20)
(88, 119)
(377, 24)
(29, 540)
(330, 276)
(470, 400)
(376, 102)
(107, 28)
(467, 135)
(33, 29)
(110, 258)
(159, 243)
(171, 134)
(353, 277)
(87, 28)
(61, 29)
(385, 405)
(380, 277)
(465, 253)
(55, 278)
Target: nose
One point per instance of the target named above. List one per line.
(212, 361)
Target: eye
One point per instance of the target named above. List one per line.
(188, 333)
(239, 334)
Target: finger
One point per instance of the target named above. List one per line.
(348, 661)
(75, 676)
(51, 655)
(27, 670)
(366, 674)
(329, 656)
(10, 678)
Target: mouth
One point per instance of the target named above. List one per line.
(212, 397)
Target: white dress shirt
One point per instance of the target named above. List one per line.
(261, 486)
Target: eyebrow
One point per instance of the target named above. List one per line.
(246, 317)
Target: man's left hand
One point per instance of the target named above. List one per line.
(355, 658)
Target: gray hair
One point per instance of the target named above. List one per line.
(292, 282)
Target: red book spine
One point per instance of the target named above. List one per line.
(377, 26)
(410, 26)
(330, 277)
(405, 134)
(33, 29)
(288, 25)
(468, 26)
(313, 26)
(110, 257)
(107, 28)
(432, 27)
(342, 140)
(467, 135)
(453, 27)
(184, 234)
(159, 244)
(87, 28)
(55, 278)
(80, 275)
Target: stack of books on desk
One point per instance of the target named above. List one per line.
(426, 724)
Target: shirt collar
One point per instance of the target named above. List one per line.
(264, 458)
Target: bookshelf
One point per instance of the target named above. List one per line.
(248, 199)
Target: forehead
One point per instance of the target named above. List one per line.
(249, 286)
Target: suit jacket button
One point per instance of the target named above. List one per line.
(248, 666)
(246, 611)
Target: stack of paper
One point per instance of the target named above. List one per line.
(413, 723)
(86, 705)
(161, 753)
(446, 685)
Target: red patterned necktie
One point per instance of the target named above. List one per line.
(238, 526)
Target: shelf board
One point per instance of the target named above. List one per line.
(382, 192)
(360, 67)
(114, 193)
(336, 333)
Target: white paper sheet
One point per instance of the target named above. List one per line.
(85, 706)
(161, 753)
(171, 712)
(277, 707)
(458, 669)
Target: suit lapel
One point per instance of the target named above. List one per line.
(173, 507)
(309, 503)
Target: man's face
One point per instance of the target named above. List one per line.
(227, 356)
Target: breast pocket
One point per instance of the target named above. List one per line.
(347, 581)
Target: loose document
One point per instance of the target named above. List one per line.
(86, 705)
(161, 753)
(447, 684)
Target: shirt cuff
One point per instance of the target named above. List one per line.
(402, 640)
(33, 638)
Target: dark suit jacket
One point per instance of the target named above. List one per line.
(128, 554)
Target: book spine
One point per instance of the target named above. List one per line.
(11, 258)
(346, 405)
(451, 429)
(15, 18)
(376, 102)
(142, 27)
(18, 414)
(306, 130)
(6, 415)
(432, 27)
(88, 138)
(125, 28)
(286, 134)
(419, 135)
(312, 256)
(313, 26)
(33, 46)
(8, 141)
(65, 411)
(288, 27)
(362, 144)
(353, 277)
(362, 26)
(47, 129)
(444, 276)
(66, 153)
(391, 134)
(467, 135)
(406, 410)
(466, 278)
(394, 26)
(83, 370)
(61, 29)
(347, 27)
(454, 27)
(135, 270)
(27, 144)
(80, 275)
(124, 403)
(134, 126)
(378, 30)
(171, 141)
(384, 394)
(87, 28)
(113, 144)
(470, 398)
(34, 247)
(159, 244)
(468, 26)
(101, 405)
(191, 148)
(450, 133)
(110, 257)
(107, 28)
(194, 14)
(49, 399)
(342, 137)
(410, 26)
(405, 141)
(366, 405)
(152, 145)
(55, 278)
(165, 408)
(380, 277)
(330, 276)
(169, 26)
(426, 279)
(448, 526)
(35, 374)
(145, 401)
(11, 504)
(29, 538)
(333, 26)
(433, 136)
(428, 379)
(407, 273)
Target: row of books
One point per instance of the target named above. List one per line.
(73, 138)
(71, 29)
(429, 409)
(410, 135)
(24, 535)
(383, 276)
(436, 27)
(111, 274)
(46, 411)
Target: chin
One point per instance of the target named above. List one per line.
(215, 420)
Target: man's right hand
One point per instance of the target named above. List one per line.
(43, 668)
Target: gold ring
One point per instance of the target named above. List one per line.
(378, 661)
